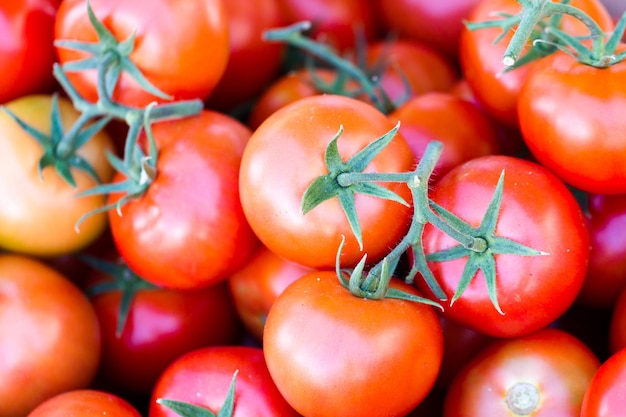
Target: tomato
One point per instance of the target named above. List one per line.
(570, 128)
(481, 59)
(427, 117)
(335, 22)
(286, 153)
(605, 393)
(85, 403)
(49, 335)
(542, 374)
(202, 378)
(407, 61)
(538, 211)
(32, 205)
(246, 22)
(437, 24)
(327, 349)
(255, 286)
(159, 326)
(185, 60)
(617, 327)
(26, 47)
(188, 229)
(606, 276)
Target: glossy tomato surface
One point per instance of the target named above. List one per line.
(605, 393)
(85, 403)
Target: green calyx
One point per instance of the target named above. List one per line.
(60, 147)
(485, 245)
(123, 280)
(539, 23)
(184, 409)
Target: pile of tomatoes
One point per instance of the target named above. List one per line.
(313, 208)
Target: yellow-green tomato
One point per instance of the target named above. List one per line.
(38, 213)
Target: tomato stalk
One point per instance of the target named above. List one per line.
(478, 244)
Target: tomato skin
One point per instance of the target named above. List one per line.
(49, 335)
(247, 21)
(286, 153)
(538, 211)
(159, 38)
(195, 194)
(202, 377)
(606, 276)
(428, 117)
(572, 127)
(31, 205)
(85, 403)
(422, 67)
(437, 24)
(324, 349)
(161, 325)
(557, 364)
(481, 59)
(256, 285)
(26, 47)
(605, 393)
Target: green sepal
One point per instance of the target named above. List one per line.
(123, 280)
(184, 409)
(483, 259)
(328, 186)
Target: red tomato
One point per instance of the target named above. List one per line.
(334, 21)
(537, 211)
(429, 117)
(202, 378)
(617, 329)
(605, 393)
(256, 285)
(544, 374)
(160, 326)
(286, 153)
(188, 230)
(327, 350)
(252, 62)
(481, 59)
(182, 48)
(435, 23)
(568, 116)
(606, 276)
(85, 403)
(26, 47)
(407, 61)
(32, 205)
(49, 335)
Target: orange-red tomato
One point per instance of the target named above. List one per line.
(85, 403)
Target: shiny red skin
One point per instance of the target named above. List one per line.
(85, 403)
(605, 393)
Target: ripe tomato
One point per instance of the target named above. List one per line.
(437, 24)
(327, 349)
(246, 22)
(481, 59)
(49, 335)
(426, 117)
(188, 229)
(606, 276)
(286, 153)
(334, 21)
(605, 392)
(542, 374)
(202, 378)
(537, 211)
(566, 118)
(255, 286)
(26, 47)
(617, 327)
(407, 61)
(85, 403)
(160, 326)
(182, 48)
(32, 205)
